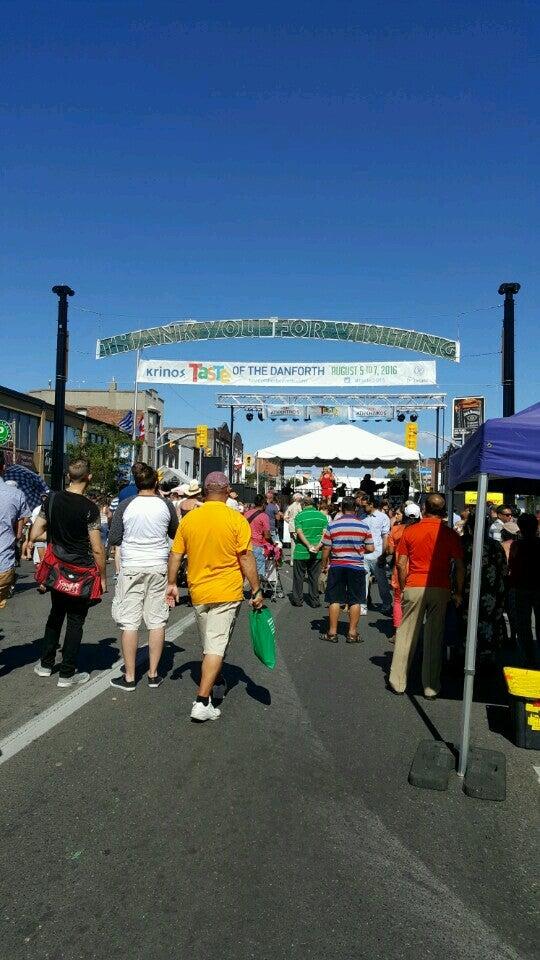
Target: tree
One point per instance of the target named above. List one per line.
(108, 457)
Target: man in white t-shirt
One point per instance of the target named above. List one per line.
(375, 563)
(141, 527)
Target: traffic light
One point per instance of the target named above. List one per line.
(201, 435)
(249, 461)
(411, 436)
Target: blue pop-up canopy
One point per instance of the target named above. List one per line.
(507, 452)
(506, 447)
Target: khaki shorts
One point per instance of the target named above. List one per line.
(140, 595)
(215, 622)
(7, 579)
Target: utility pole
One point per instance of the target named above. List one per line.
(57, 460)
(508, 348)
(437, 455)
(135, 401)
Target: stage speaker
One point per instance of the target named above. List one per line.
(211, 464)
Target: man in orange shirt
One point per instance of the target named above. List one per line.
(217, 543)
(424, 557)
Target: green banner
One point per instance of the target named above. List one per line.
(187, 330)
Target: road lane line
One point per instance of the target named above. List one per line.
(72, 702)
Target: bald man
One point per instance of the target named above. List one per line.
(425, 555)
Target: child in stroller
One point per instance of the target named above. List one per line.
(271, 580)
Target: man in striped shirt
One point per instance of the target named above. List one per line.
(345, 543)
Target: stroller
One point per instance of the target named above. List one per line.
(271, 581)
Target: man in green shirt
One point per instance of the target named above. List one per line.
(309, 527)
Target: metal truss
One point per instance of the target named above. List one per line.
(380, 403)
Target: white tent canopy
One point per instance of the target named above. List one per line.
(341, 443)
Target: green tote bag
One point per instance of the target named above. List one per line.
(263, 636)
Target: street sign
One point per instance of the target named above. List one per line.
(6, 433)
(411, 436)
(201, 435)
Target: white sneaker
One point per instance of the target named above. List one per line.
(74, 681)
(200, 712)
(42, 671)
(363, 609)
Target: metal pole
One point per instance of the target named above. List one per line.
(257, 470)
(508, 375)
(135, 401)
(14, 440)
(472, 622)
(231, 450)
(437, 419)
(57, 460)
(450, 508)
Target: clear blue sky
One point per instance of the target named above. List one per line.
(348, 161)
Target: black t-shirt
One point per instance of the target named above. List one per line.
(69, 518)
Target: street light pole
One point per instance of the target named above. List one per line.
(508, 348)
(57, 460)
(437, 457)
(231, 448)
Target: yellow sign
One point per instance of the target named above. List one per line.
(471, 496)
(411, 436)
(522, 683)
(201, 435)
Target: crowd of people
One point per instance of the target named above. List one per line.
(343, 546)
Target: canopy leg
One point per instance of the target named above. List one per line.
(472, 622)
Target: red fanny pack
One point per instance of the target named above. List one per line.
(68, 578)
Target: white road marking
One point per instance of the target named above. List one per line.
(537, 772)
(69, 704)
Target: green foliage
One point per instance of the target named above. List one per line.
(105, 457)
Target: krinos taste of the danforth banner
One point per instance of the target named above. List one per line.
(351, 332)
(281, 373)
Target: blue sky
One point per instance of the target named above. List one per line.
(343, 161)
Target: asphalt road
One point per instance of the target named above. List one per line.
(285, 829)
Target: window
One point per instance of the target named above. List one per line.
(71, 435)
(47, 440)
(26, 428)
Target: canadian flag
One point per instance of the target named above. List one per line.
(140, 427)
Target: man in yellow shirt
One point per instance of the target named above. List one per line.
(217, 543)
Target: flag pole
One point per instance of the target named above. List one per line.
(135, 399)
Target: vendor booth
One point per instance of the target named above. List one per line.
(505, 454)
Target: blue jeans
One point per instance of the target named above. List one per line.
(258, 553)
(373, 569)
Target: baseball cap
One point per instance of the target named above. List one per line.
(216, 479)
(412, 510)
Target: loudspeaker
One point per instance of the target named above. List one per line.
(211, 464)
